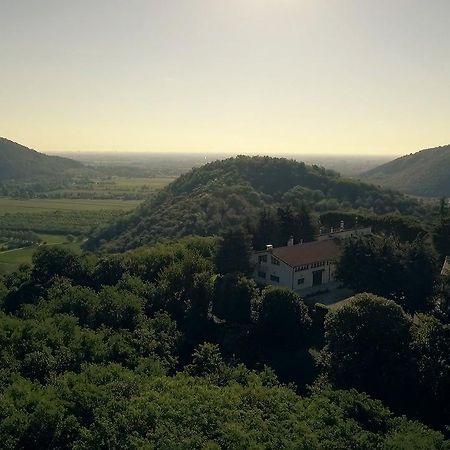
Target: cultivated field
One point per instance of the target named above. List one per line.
(71, 214)
(38, 205)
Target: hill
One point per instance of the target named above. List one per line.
(18, 161)
(425, 173)
(235, 191)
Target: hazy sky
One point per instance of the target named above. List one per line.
(266, 76)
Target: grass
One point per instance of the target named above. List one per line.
(12, 259)
(132, 183)
(11, 206)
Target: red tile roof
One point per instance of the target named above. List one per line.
(310, 252)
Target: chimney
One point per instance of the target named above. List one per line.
(269, 248)
(290, 242)
(342, 225)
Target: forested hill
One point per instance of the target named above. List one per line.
(235, 191)
(425, 173)
(18, 161)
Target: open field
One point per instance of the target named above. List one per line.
(110, 187)
(79, 209)
(37, 205)
(12, 259)
(127, 183)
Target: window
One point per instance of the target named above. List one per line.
(275, 278)
(274, 261)
(262, 275)
(301, 281)
(262, 259)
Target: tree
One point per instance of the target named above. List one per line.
(441, 237)
(206, 360)
(283, 318)
(51, 261)
(233, 296)
(403, 272)
(419, 270)
(108, 271)
(430, 340)
(233, 253)
(441, 300)
(367, 347)
(266, 230)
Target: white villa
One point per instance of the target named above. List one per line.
(307, 267)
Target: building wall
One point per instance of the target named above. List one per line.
(328, 275)
(282, 271)
(288, 276)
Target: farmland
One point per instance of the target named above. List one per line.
(39, 206)
(68, 215)
(56, 222)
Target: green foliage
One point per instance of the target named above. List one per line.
(76, 323)
(110, 407)
(283, 318)
(49, 262)
(206, 360)
(233, 253)
(233, 297)
(367, 347)
(232, 193)
(405, 228)
(441, 237)
(277, 228)
(403, 272)
(432, 357)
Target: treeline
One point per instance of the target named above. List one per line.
(10, 240)
(173, 344)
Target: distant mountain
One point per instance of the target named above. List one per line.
(425, 173)
(233, 192)
(18, 161)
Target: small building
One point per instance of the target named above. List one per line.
(305, 267)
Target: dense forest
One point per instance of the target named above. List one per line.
(237, 192)
(171, 343)
(425, 173)
(17, 161)
(171, 346)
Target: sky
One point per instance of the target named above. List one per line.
(241, 76)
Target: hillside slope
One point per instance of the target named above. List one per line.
(223, 194)
(18, 161)
(425, 173)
